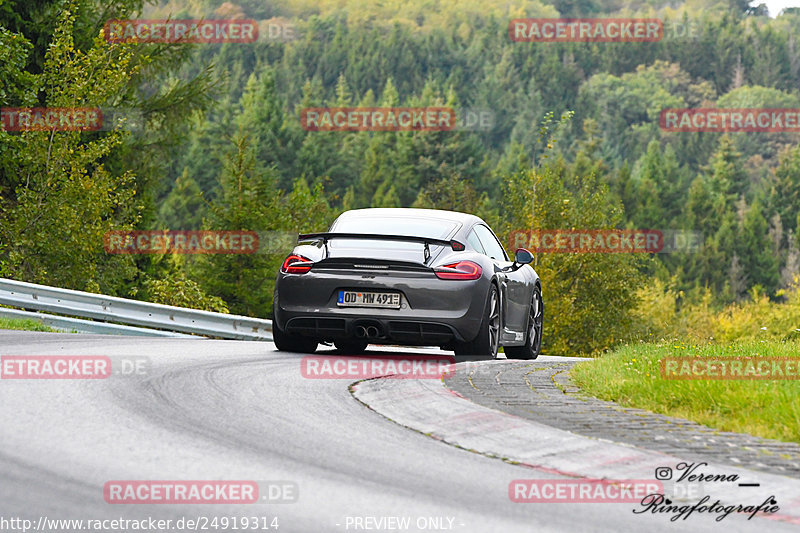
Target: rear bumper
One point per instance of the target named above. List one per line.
(404, 332)
(433, 311)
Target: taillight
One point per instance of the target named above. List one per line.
(296, 264)
(460, 270)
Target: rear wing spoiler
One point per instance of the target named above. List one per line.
(325, 237)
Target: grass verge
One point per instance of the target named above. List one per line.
(25, 324)
(632, 376)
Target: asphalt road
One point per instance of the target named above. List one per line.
(227, 410)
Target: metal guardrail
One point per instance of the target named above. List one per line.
(132, 312)
(68, 324)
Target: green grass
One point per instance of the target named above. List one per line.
(23, 324)
(631, 376)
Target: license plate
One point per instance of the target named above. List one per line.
(389, 300)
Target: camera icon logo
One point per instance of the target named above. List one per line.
(663, 473)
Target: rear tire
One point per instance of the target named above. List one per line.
(351, 347)
(487, 342)
(533, 341)
(292, 343)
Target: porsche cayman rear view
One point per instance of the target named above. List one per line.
(412, 277)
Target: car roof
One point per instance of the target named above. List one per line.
(455, 216)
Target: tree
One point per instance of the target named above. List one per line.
(331, 154)
(18, 88)
(737, 279)
(246, 201)
(756, 251)
(275, 138)
(451, 193)
(386, 196)
(728, 180)
(183, 208)
(784, 188)
(65, 200)
(577, 286)
(207, 145)
(791, 271)
(380, 158)
(250, 200)
(627, 107)
(770, 144)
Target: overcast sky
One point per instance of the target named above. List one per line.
(775, 6)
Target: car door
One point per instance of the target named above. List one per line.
(514, 286)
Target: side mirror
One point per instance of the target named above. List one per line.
(523, 256)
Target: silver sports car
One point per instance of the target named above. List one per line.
(412, 277)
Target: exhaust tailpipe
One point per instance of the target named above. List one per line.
(372, 332)
(361, 331)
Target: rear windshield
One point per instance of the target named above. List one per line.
(434, 228)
